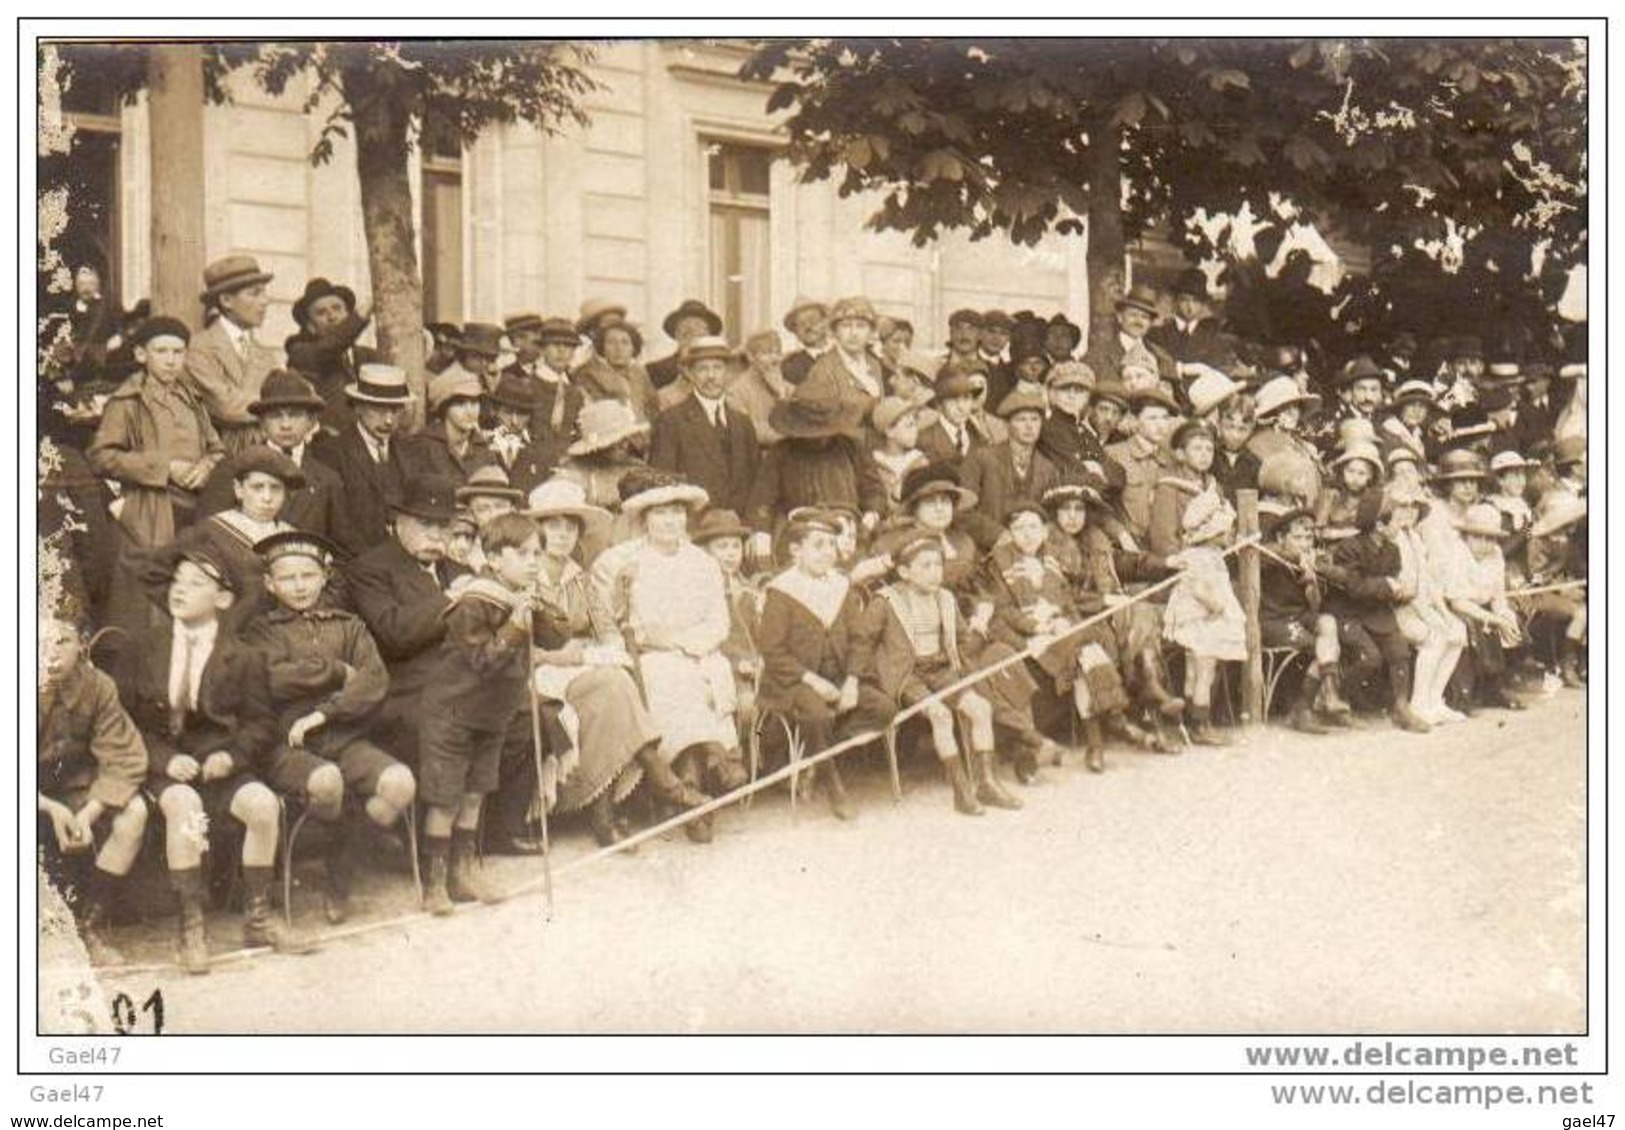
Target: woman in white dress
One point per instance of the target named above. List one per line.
(671, 601)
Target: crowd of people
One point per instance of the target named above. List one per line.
(569, 578)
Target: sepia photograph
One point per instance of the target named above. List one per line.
(957, 533)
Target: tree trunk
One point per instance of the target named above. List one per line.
(381, 108)
(1105, 256)
(175, 107)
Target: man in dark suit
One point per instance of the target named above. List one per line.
(1002, 473)
(287, 409)
(1190, 335)
(703, 439)
(524, 456)
(399, 590)
(692, 320)
(1129, 347)
(950, 437)
(202, 702)
(365, 457)
(808, 319)
(325, 350)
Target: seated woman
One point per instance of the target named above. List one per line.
(668, 595)
(582, 663)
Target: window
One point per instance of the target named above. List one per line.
(741, 252)
(442, 203)
(95, 230)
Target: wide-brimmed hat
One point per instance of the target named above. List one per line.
(1279, 393)
(711, 347)
(1399, 453)
(1110, 390)
(1503, 461)
(1210, 389)
(1556, 510)
(558, 331)
(1362, 450)
(715, 524)
(1140, 298)
(1361, 368)
(1070, 374)
(1021, 401)
(514, 391)
(857, 308)
(480, 337)
(263, 459)
(692, 308)
(1418, 391)
(378, 383)
(231, 273)
(1072, 328)
(283, 389)
(604, 423)
(801, 303)
(890, 410)
(1154, 394)
(562, 497)
(431, 498)
(456, 383)
(933, 479)
(489, 481)
(319, 288)
(802, 417)
(593, 310)
(296, 543)
(661, 489)
(1192, 282)
(1460, 464)
(1482, 519)
(1276, 514)
(518, 323)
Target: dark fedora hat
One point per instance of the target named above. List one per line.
(1061, 321)
(1140, 298)
(1192, 282)
(1361, 368)
(231, 273)
(933, 479)
(318, 288)
(718, 523)
(483, 338)
(513, 391)
(803, 417)
(692, 308)
(432, 498)
(284, 389)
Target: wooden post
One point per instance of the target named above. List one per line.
(175, 107)
(1252, 671)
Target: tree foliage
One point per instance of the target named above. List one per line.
(1389, 141)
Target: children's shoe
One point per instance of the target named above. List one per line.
(965, 801)
(466, 884)
(435, 898)
(1409, 720)
(988, 789)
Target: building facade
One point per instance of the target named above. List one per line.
(676, 189)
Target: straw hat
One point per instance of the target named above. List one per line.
(1459, 464)
(567, 498)
(1281, 392)
(658, 489)
(379, 384)
(603, 424)
(1210, 389)
(1366, 451)
(489, 481)
(231, 273)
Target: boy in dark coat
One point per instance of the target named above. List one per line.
(1290, 614)
(326, 679)
(91, 765)
(202, 703)
(479, 684)
(809, 615)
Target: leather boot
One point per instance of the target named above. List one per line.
(340, 863)
(436, 875)
(1409, 720)
(1094, 746)
(1203, 732)
(194, 951)
(688, 767)
(1570, 665)
(96, 919)
(601, 818)
(262, 926)
(466, 883)
(1335, 709)
(1025, 765)
(988, 789)
(964, 795)
(835, 790)
(1156, 688)
(1303, 709)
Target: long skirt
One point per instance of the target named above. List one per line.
(610, 727)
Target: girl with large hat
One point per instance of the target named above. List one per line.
(820, 460)
(670, 601)
(609, 433)
(584, 671)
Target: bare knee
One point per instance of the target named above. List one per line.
(396, 787)
(132, 819)
(180, 802)
(256, 806)
(324, 789)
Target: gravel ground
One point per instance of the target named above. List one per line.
(1371, 881)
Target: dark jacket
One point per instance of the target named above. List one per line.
(1070, 442)
(428, 453)
(991, 473)
(939, 448)
(402, 607)
(233, 712)
(793, 641)
(794, 473)
(479, 671)
(313, 508)
(1359, 578)
(323, 660)
(548, 441)
(1205, 342)
(369, 488)
(723, 461)
(86, 740)
(330, 361)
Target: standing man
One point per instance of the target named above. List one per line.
(525, 336)
(556, 400)
(325, 350)
(808, 319)
(1190, 336)
(964, 344)
(225, 365)
(1144, 456)
(1360, 392)
(702, 438)
(366, 456)
(1128, 348)
(691, 320)
(1003, 473)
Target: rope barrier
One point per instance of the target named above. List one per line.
(846, 745)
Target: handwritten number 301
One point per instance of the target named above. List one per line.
(127, 1021)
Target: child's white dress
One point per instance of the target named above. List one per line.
(1203, 615)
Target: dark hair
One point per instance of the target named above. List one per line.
(507, 531)
(600, 332)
